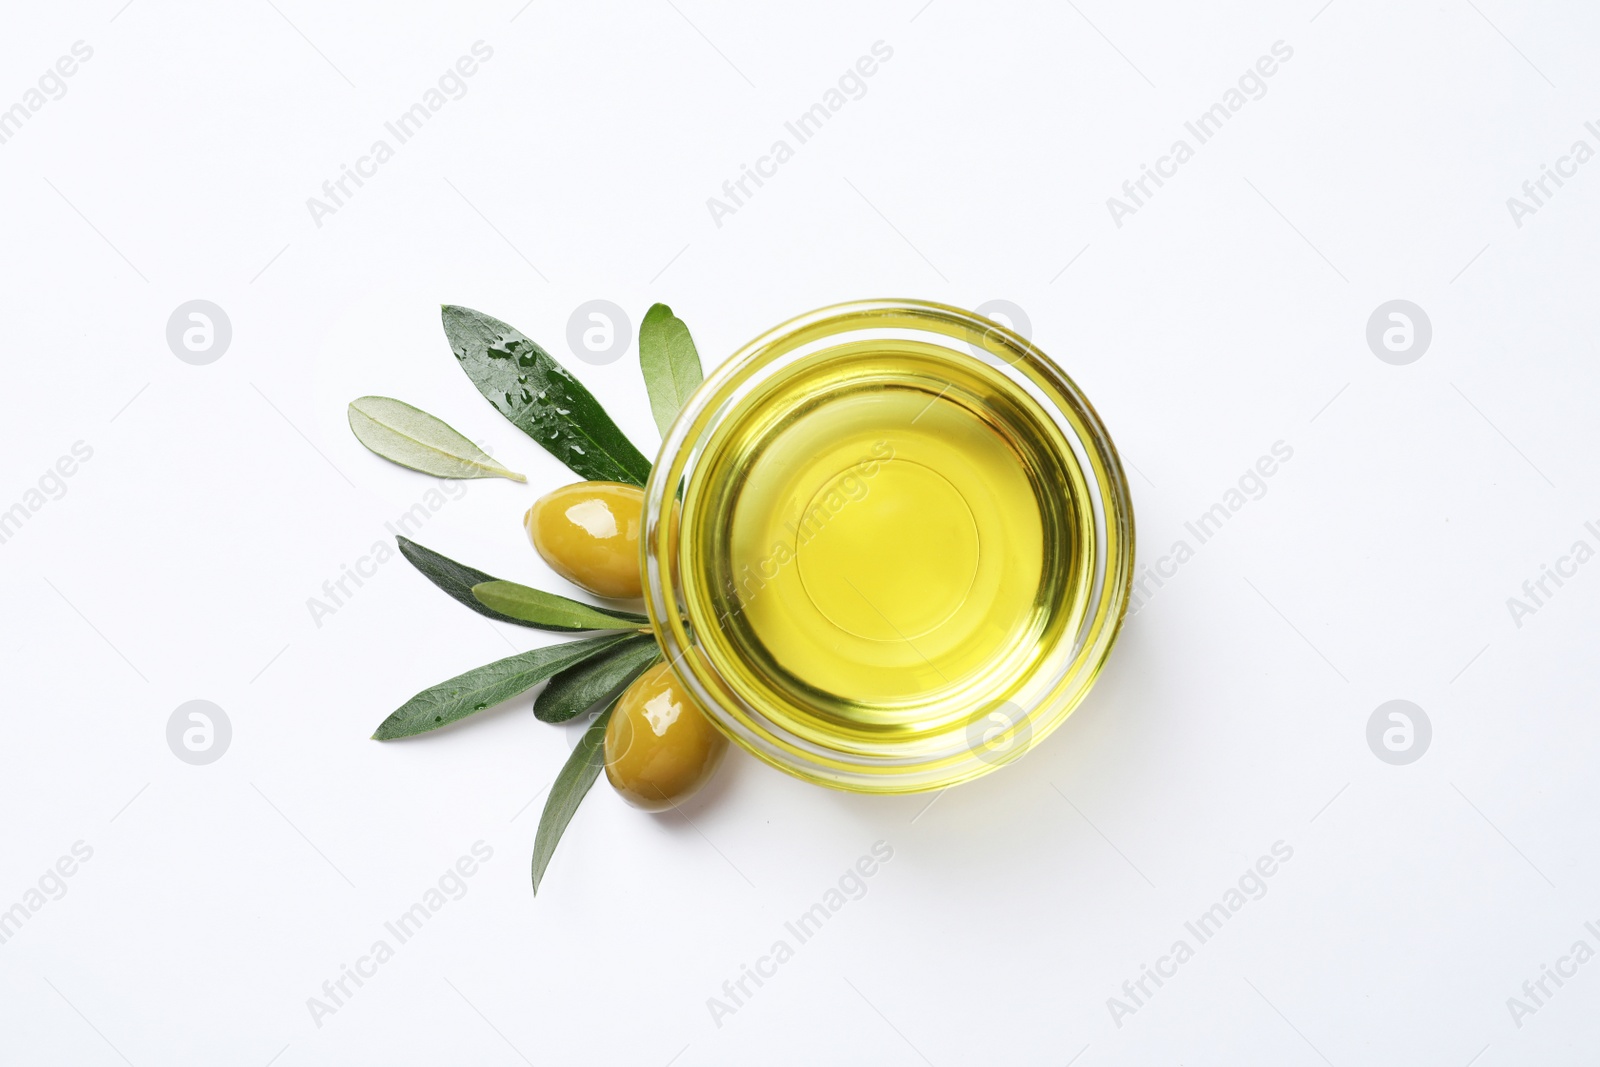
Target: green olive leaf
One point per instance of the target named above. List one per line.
(457, 579)
(486, 686)
(601, 676)
(548, 610)
(413, 438)
(541, 398)
(670, 363)
(567, 792)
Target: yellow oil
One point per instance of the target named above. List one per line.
(888, 536)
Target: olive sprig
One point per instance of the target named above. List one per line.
(618, 668)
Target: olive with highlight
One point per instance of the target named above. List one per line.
(589, 534)
(659, 747)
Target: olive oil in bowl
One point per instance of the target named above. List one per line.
(891, 561)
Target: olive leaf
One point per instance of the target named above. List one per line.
(413, 438)
(486, 686)
(583, 685)
(568, 790)
(670, 363)
(541, 398)
(548, 610)
(457, 579)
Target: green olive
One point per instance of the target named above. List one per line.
(589, 534)
(660, 748)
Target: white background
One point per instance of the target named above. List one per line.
(1227, 314)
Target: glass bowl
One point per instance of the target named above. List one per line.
(896, 616)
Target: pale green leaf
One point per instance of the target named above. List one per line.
(535, 606)
(670, 363)
(412, 438)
